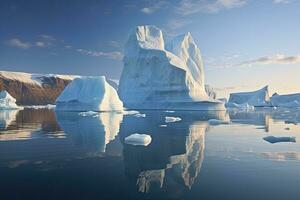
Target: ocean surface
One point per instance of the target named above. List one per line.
(69, 155)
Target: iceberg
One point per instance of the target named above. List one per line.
(288, 100)
(89, 94)
(138, 139)
(7, 102)
(163, 75)
(273, 139)
(259, 98)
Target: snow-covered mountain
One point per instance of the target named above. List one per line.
(159, 74)
(33, 89)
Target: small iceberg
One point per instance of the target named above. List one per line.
(7, 102)
(172, 119)
(215, 122)
(273, 139)
(89, 93)
(138, 139)
(163, 125)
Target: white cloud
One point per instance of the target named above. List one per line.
(115, 55)
(187, 7)
(40, 44)
(155, 6)
(267, 60)
(281, 1)
(15, 42)
(47, 37)
(174, 24)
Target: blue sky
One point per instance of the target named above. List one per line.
(245, 44)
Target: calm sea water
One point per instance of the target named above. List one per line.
(55, 155)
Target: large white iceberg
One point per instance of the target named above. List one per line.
(89, 94)
(259, 98)
(163, 75)
(288, 100)
(7, 102)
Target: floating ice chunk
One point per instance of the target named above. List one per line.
(217, 122)
(130, 112)
(140, 115)
(7, 102)
(138, 139)
(169, 111)
(163, 125)
(88, 114)
(273, 139)
(172, 119)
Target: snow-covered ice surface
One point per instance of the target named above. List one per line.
(273, 139)
(35, 79)
(138, 139)
(172, 119)
(288, 100)
(215, 122)
(257, 98)
(48, 106)
(89, 94)
(7, 102)
(163, 75)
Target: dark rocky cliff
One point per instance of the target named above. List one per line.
(27, 93)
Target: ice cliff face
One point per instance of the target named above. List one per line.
(159, 74)
(89, 94)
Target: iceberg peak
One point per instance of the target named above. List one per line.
(144, 37)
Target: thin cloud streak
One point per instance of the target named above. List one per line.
(188, 7)
(267, 60)
(115, 55)
(155, 6)
(15, 42)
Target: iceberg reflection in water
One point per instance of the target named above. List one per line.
(84, 156)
